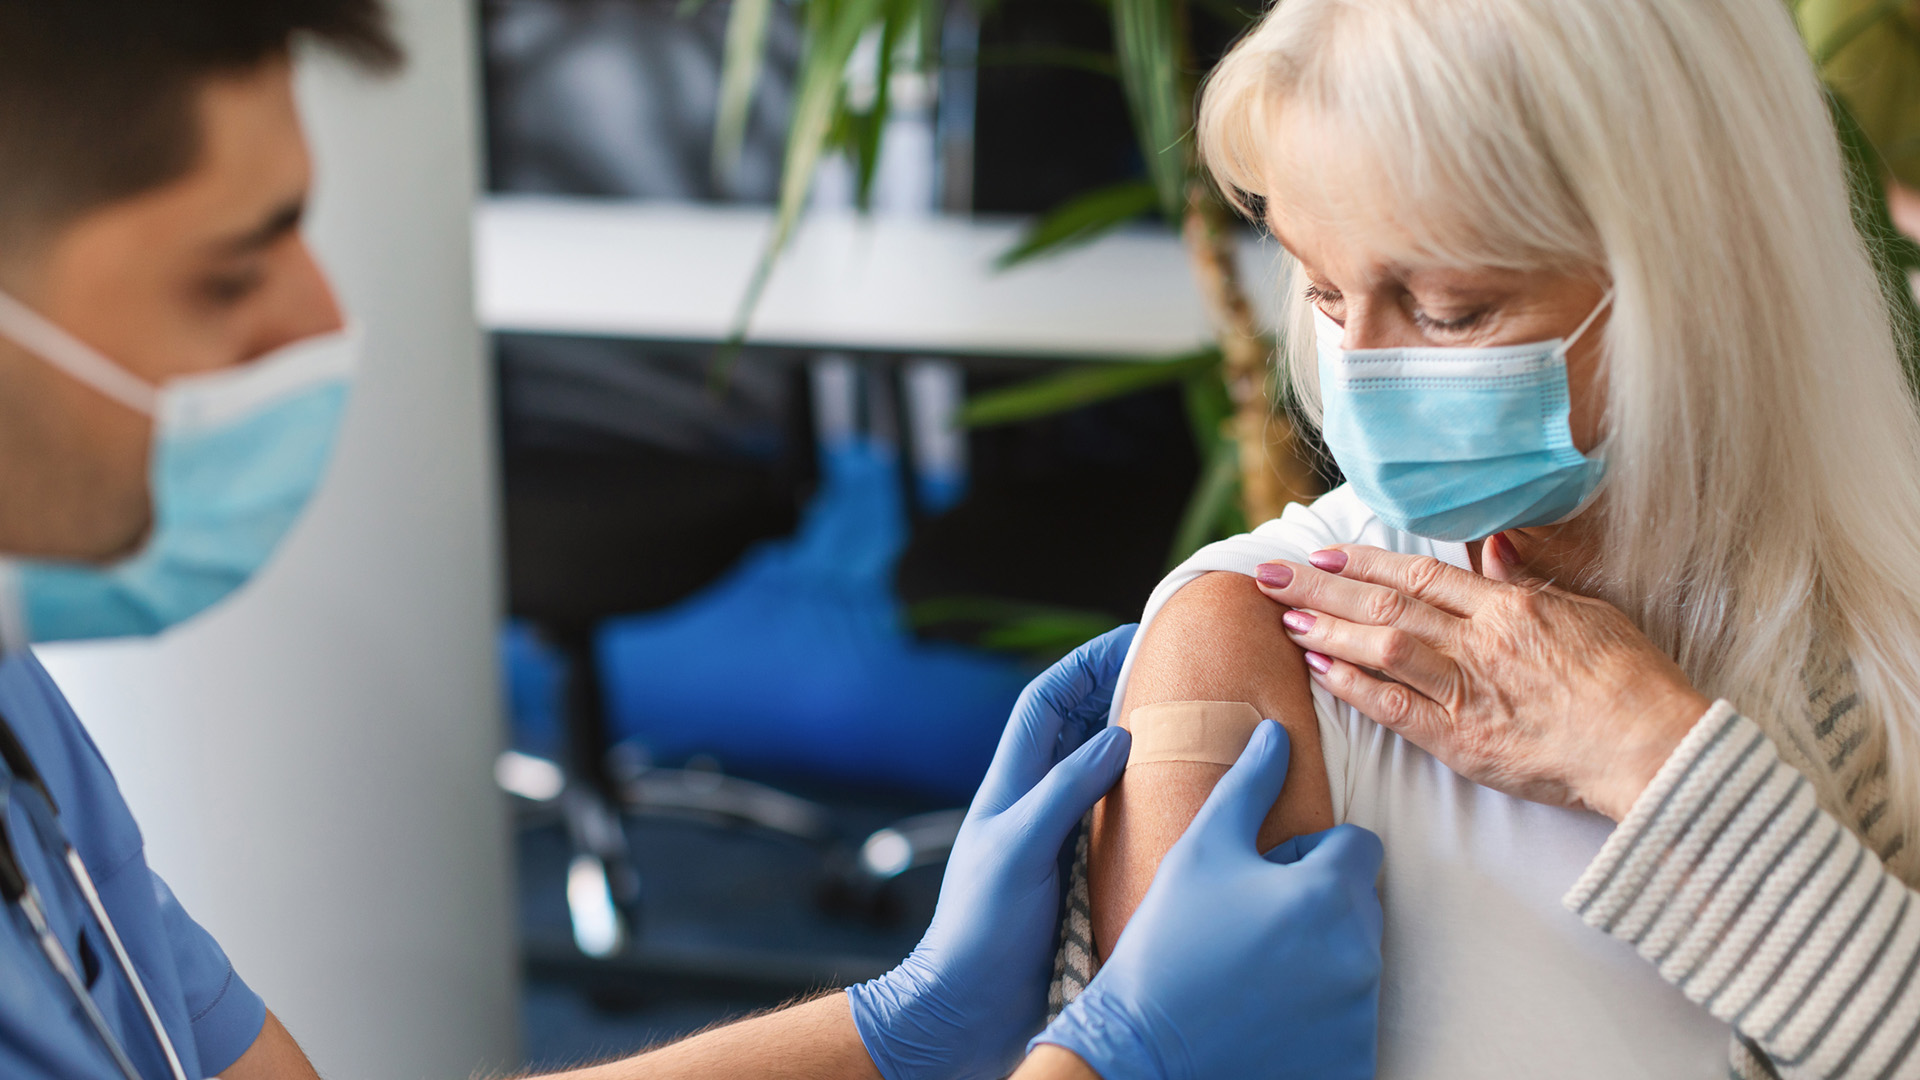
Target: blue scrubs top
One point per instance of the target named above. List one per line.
(212, 1015)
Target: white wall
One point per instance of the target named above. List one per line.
(311, 762)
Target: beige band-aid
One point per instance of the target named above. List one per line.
(1210, 731)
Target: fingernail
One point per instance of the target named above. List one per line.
(1298, 621)
(1504, 550)
(1331, 561)
(1274, 575)
(1319, 663)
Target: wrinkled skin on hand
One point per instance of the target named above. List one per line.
(1512, 682)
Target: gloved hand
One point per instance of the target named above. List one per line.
(1238, 964)
(975, 988)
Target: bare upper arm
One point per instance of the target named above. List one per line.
(273, 1056)
(1217, 639)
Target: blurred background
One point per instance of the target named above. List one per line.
(758, 394)
(769, 608)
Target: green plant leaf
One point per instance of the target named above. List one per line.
(1147, 37)
(1229, 13)
(1213, 510)
(742, 58)
(896, 33)
(933, 36)
(1080, 387)
(1848, 32)
(1868, 52)
(1081, 220)
(869, 126)
(833, 30)
(1091, 61)
(1047, 636)
(1040, 631)
(1209, 407)
(1893, 254)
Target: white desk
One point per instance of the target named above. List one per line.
(676, 272)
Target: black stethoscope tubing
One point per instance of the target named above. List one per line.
(16, 888)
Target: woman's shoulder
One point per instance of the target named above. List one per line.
(1338, 517)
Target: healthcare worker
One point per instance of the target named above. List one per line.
(173, 370)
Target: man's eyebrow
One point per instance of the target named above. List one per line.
(282, 221)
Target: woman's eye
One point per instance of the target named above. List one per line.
(1320, 297)
(1454, 325)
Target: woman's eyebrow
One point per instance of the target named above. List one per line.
(1454, 284)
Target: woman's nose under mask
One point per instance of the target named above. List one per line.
(1457, 443)
(236, 456)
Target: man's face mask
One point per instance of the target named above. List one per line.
(237, 455)
(1457, 443)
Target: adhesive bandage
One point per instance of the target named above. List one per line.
(1210, 731)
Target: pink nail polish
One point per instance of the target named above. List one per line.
(1504, 551)
(1274, 575)
(1319, 663)
(1331, 561)
(1298, 621)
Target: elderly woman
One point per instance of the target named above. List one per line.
(1613, 634)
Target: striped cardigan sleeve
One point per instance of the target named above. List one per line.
(1764, 908)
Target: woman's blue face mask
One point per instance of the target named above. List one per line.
(1457, 443)
(236, 456)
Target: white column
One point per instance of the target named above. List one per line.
(311, 763)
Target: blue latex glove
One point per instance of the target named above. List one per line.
(964, 1004)
(1238, 964)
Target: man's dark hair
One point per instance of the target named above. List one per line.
(97, 97)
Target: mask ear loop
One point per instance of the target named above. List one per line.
(39, 336)
(1578, 331)
(1599, 453)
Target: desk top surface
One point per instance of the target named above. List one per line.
(675, 271)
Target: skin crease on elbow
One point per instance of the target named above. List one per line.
(1219, 638)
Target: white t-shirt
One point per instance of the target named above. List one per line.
(1486, 974)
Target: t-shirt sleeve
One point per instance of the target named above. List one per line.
(226, 1014)
(1297, 532)
(1292, 535)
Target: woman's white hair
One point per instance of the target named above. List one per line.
(1764, 491)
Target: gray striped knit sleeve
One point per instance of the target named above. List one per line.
(1764, 908)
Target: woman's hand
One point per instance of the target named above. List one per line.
(1511, 682)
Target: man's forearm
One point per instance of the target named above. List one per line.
(815, 1040)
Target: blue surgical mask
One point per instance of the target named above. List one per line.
(237, 454)
(1457, 443)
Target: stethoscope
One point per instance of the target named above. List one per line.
(26, 789)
